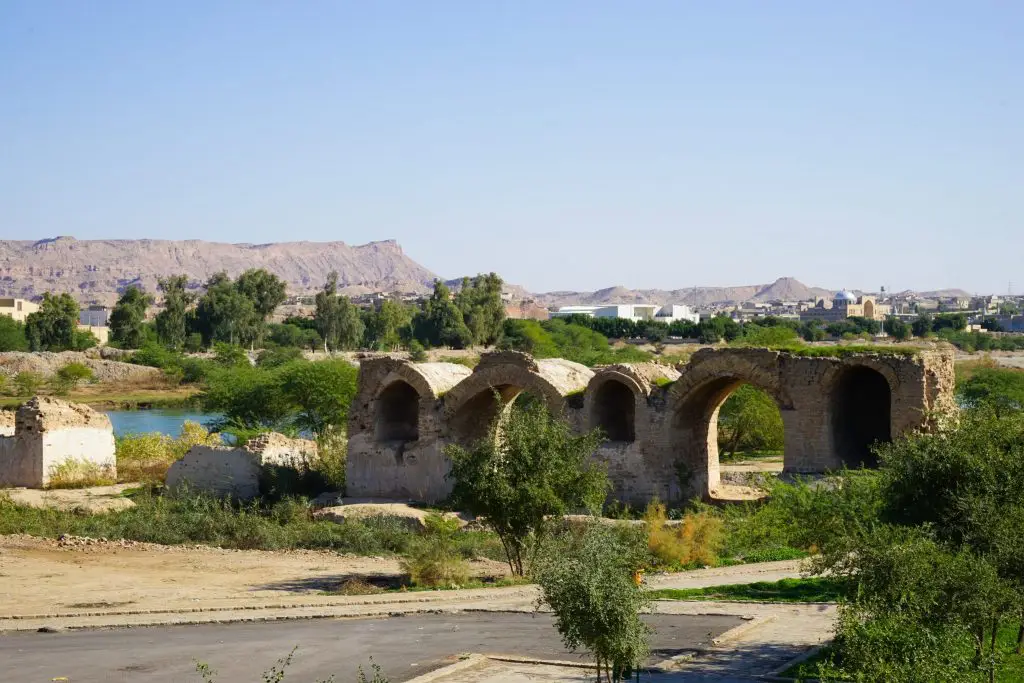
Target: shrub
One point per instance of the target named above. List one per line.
(146, 457)
(696, 541)
(77, 474)
(417, 354)
(27, 383)
(69, 376)
(433, 560)
(588, 581)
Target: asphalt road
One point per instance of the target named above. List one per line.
(404, 647)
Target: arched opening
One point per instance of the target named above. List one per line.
(614, 411)
(861, 415)
(869, 310)
(732, 430)
(474, 418)
(398, 413)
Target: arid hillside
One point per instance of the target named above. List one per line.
(785, 288)
(95, 271)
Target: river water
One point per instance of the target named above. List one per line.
(163, 420)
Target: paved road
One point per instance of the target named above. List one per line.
(404, 646)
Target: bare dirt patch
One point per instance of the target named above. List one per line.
(46, 576)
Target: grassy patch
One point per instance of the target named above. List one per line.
(740, 456)
(79, 474)
(663, 382)
(111, 399)
(813, 589)
(198, 519)
(842, 351)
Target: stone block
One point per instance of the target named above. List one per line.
(49, 433)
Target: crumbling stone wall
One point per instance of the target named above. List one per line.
(661, 421)
(49, 432)
(236, 472)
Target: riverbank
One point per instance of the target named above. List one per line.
(112, 398)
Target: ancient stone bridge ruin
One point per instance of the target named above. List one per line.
(660, 421)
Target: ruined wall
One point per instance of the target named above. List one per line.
(50, 432)
(236, 472)
(386, 455)
(661, 422)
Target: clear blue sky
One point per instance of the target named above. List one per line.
(562, 143)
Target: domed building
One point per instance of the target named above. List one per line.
(845, 305)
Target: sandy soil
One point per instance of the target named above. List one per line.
(41, 576)
(93, 499)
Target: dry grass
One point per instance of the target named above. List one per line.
(146, 457)
(356, 586)
(696, 541)
(79, 474)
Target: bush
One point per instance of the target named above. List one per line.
(539, 468)
(588, 581)
(696, 541)
(78, 474)
(27, 383)
(69, 376)
(417, 354)
(433, 561)
(146, 457)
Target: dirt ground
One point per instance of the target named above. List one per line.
(43, 576)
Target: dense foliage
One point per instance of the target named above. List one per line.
(586, 578)
(128, 319)
(531, 466)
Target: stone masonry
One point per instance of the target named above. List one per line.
(48, 433)
(660, 422)
(236, 472)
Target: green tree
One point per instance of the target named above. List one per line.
(587, 580)
(172, 323)
(483, 312)
(70, 376)
(127, 320)
(337, 318)
(321, 392)
(263, 288)
(749, 420)
(387, 324)
(440, 323)
(12, 335)
(225, 314)
(1002, 389)
(897, 329)
(922, 325)
(539, 468)
(53, 326)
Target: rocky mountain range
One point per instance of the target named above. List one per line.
(785, 289)
(96, 271)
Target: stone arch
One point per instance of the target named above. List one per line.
(611, 405)
(474, 403)
(869, 309)
(398, 412)
(698, 395)
(861, 410)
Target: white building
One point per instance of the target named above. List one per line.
(635, 312)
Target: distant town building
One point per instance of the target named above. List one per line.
(94, 316)
(635, 312)
(844, 305)
(18, 309)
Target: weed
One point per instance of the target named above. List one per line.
(79, 474)
(433, 560)
(695, 541)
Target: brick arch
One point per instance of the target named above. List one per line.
(474, 403)
(603, 402)
(698, 395)
(862, 397)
